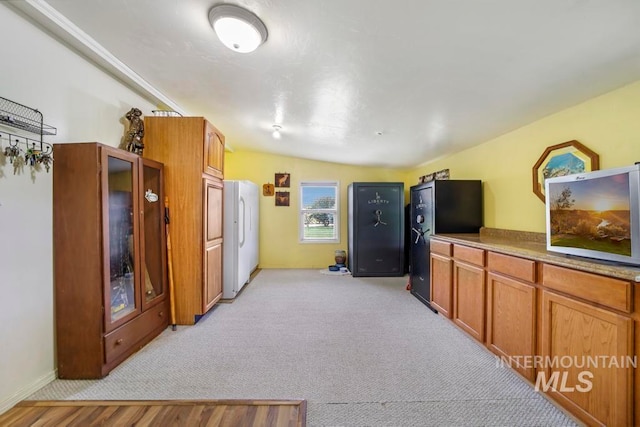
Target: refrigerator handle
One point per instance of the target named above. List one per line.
(242, 214)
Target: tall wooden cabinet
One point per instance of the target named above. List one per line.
(192, 150)
(109, 257)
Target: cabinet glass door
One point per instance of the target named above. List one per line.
(121, 298)
(153, 229)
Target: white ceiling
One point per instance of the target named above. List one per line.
(432, 76)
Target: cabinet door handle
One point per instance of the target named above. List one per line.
(119, 341)
(161, 314)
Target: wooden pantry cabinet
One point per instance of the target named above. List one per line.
(532, 308)
(192, 150)
(109, 257)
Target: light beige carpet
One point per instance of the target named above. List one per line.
(361, 351)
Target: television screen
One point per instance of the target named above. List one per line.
(592, 214)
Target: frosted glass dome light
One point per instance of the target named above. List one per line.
(237, 28)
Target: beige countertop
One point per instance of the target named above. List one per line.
(533, 246)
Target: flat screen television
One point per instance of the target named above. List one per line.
(595, 214)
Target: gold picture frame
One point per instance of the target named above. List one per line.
(562, 159)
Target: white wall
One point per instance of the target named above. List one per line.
(84, 104)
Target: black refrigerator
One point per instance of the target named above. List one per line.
(441, 206)
(376, 228)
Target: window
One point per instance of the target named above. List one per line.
(319, 212)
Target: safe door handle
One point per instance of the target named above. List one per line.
(379, 221)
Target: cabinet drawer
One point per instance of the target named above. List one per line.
(523, 269)
(603, 290)
(467, 254)
(122, 339)
(442, 248)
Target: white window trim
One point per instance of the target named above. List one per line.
(336, 212)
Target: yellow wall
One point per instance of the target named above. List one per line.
(279, 242)
(608, 125)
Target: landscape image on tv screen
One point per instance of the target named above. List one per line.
(592, 214)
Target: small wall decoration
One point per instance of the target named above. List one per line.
(282, 180)
(440, 175)
(268, 189)
(282, 198)
(427, 178)
(562, 159)
(443, 174)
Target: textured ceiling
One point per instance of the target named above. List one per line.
(378, 83)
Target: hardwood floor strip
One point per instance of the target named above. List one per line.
(88, 415)
(214, 413)
(149, 415)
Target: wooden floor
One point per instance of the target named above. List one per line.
(223, 413)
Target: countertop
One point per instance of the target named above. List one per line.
(533, 246)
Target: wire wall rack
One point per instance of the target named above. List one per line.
(23, 148)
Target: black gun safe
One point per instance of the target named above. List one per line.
(376, 228)
(442, 206)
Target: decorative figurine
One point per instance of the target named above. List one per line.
(133, 138)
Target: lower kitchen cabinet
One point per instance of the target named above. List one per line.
(441, 279)
(469, 291)
(511, 321)
(571, 330)
(511, 310)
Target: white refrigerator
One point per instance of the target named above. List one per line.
(240, 235)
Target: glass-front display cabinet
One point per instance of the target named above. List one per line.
(120, 294)
(109, 256)
(136, 265)
(154, 263)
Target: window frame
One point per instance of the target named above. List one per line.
(302, 211)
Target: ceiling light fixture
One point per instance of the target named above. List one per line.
(237, 28)
(276, 131)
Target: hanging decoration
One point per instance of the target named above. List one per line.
(19, 150)
(282, 198)
(268, 189)
(283, 180)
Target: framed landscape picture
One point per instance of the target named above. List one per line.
(562, 159)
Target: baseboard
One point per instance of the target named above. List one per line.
(27, 391)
